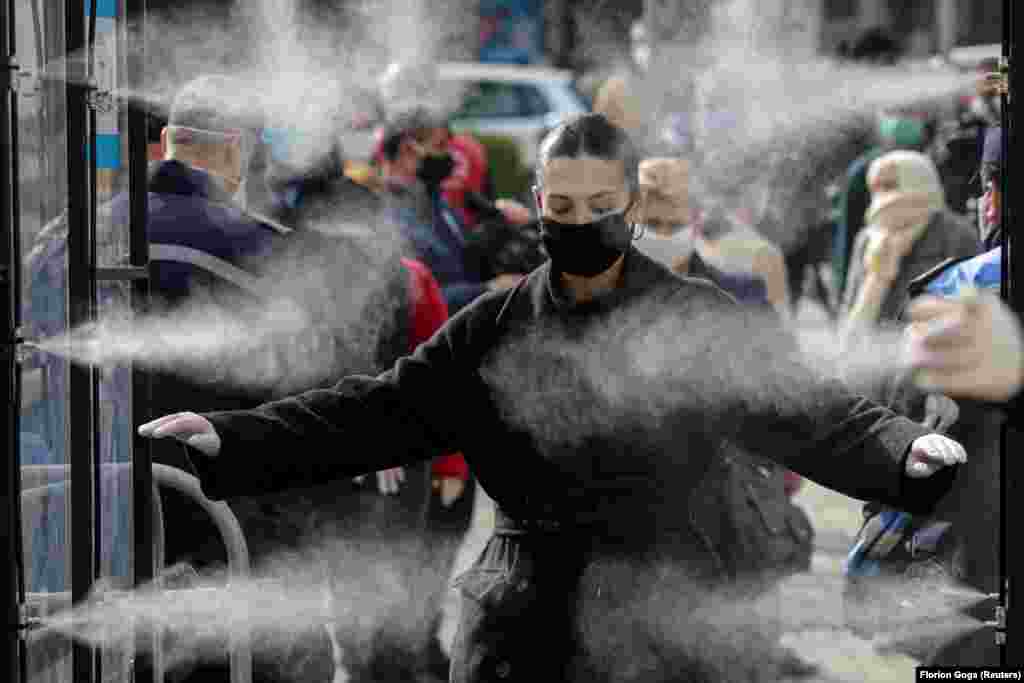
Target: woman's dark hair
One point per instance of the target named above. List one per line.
(589, 135)
(404, 123)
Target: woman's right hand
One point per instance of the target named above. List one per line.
(188, 428)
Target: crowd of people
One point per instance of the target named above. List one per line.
(400, 432)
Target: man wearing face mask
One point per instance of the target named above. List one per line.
(413, 174)
(404, 86)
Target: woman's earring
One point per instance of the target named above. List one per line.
(639, 230)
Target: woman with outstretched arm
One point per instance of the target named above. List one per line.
(589, 401)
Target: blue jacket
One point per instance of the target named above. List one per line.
(196, 232)
(440, 244)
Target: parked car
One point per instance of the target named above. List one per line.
(518, 102)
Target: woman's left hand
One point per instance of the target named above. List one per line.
(389, 481)
(932, 452)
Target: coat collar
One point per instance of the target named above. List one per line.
(639, 275)
(174, 177)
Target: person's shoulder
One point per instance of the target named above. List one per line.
(219, 229)
(653, 276)
(418, 271)
(470, 143)
(700, 292)
(963, 226)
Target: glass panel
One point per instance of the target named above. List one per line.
(44, 454)
(115, 513)
(488, 99)
(111, 149)
(534, 102)
(112, 197)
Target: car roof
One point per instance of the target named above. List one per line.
(467, 71)
(970, 57)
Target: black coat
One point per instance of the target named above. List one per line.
(572, 417)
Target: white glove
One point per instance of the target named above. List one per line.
(388, 480)
(932, 452)
(971, 347)
(190, 428)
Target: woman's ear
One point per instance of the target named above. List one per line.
(538, 198)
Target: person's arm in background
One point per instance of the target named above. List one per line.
(855, 283)
(770, 266)
(972, 347)
(876, 267)
(429, 312)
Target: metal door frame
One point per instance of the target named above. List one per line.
(81, 96)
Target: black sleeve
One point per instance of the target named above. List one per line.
(416, 411)
(763, 392)
(489, 190)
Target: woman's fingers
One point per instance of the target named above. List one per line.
(182, 427)
(933, 452)
(190, 428)
(148, 428)
(952, 360)
(388, 480)
(207, 443)
(920, 469)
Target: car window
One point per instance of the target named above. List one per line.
(534, 102)
(494, 100)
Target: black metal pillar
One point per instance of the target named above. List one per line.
(1013, 292)
(142, 390)
(11, 579)
(81, 302)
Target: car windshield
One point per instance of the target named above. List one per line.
(581, 95)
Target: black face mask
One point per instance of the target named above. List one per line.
(586, 249)
(434, 168)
